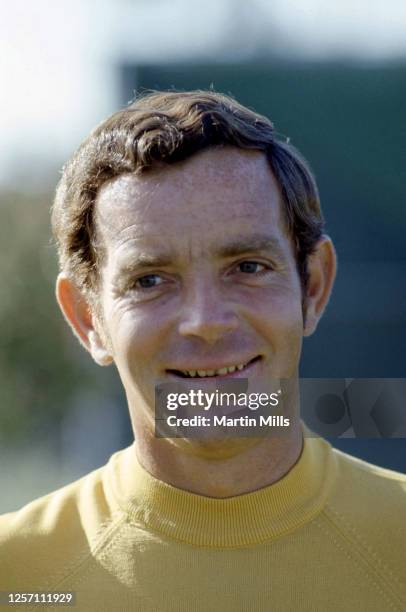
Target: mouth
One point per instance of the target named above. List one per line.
(236, 370)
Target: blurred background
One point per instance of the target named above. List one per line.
(331, 76)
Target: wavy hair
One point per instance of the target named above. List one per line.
(162, 128)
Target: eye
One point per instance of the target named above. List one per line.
(149, 281)
(251, 267)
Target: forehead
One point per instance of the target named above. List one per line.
(195, 205)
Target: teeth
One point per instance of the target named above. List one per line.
(219, 372)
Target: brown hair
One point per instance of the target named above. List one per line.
(164, 128)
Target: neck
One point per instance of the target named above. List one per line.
(253, 464)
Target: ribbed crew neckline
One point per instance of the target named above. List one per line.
(243, 520)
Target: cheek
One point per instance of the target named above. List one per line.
(278, 318)
(279, 310)
(137, 335)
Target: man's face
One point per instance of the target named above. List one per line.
(199, 274)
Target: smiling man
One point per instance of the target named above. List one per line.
(192, 253)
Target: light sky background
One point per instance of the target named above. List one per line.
(58, 59)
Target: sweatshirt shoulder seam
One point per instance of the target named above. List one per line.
(372, 561)
(105, 532)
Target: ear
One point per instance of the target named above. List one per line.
(78, 314)
(322, 266)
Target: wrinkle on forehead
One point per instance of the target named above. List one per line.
(212, 188)
(112, 204)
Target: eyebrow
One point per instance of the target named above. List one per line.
(145, 260)
(257, 243)
(238, 246)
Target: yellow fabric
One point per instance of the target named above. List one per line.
(331, 535)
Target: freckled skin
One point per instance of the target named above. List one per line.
(190, 207)
(203, 306)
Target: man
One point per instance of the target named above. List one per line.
(192, 253)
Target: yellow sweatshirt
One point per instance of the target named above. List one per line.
(331, 535)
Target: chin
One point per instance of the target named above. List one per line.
(217, 449)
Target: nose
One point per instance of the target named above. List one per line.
(207, 314)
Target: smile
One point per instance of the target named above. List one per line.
(223, 371)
